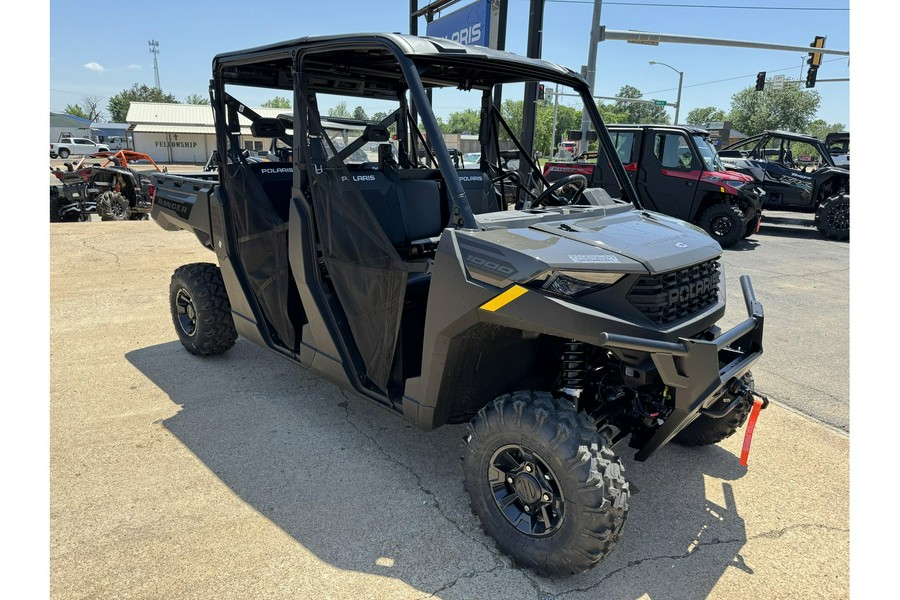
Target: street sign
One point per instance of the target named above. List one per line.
(777, 82)
(659, 102)
(474, 24)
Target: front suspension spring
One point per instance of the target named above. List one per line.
(574, 365)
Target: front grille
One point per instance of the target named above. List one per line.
(668, 297)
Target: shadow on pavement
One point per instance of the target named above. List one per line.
(365, 491)
(799, 227)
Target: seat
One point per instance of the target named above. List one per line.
(479, 190)
(276, 179)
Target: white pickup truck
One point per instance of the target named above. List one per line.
(71, 145)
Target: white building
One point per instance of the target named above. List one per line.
(184, 133)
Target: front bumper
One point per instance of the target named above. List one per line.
(751, 198)
(700, 371)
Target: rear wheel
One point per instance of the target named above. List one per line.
(63, 153)
(705, 431)
(725, 223)
(544, 484)
(200, 309)
(833, 218)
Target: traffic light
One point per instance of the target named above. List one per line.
(541, 92)
(814, 60)
(760, 81)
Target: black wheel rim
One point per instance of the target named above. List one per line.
(185, 312)
(839, 217)
(526, 491)
(721, 226)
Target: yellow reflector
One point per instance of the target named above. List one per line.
(721, 189)
(503, 299)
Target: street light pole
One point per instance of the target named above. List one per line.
(680, 82)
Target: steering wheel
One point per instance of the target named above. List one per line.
(549, 198)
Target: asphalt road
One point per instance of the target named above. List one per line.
(803, 281)
(243, 476)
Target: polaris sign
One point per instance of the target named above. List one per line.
(473, 25)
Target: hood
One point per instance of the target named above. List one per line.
(629, 241)
(730, 176)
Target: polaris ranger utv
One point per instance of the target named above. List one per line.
(556, 331)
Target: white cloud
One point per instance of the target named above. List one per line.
(92, 66)
(134, 67)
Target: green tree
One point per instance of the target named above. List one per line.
(339, 110)
(75, 110)
(118, 105)
(639, 112)
(360, 114)
(277, 102)
(789, 108)
(195, 99)
(88, 109)
(820, 128)
(707, 114)
(466, 121)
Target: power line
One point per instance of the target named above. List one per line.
(714, 6)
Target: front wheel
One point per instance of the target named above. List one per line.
(724, 222)
(113, 206)
(544, 484)
(54, 205)
(753, 225)
(833, 218)
(200, 309)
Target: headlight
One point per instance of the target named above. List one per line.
(573, 283)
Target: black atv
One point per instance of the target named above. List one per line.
(556, 332)
(798, 174)
(113, 189)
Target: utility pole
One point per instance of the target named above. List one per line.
(154, 50)
(529, 116)
(555, 109)
(590, 73)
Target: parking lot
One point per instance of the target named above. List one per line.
(244, 476)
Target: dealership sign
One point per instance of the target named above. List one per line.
(474, 24)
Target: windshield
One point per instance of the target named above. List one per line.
(708, 153)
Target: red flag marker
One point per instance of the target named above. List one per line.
(751, 424)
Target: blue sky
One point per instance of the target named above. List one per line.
(191, 33)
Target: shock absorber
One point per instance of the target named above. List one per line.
(573, 369)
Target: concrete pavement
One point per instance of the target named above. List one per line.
(244, 476)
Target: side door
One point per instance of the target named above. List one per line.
(668, 173)
(83, 146)
(786, 183)
(627, 142)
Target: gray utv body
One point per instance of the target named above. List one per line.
(407, 280)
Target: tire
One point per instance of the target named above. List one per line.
(725, 223)
(752, 226)
(113, 206)
(54, 205)
(833, 218)
(63, 153)
(576, 511)
(706, 431)
(200, 309)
